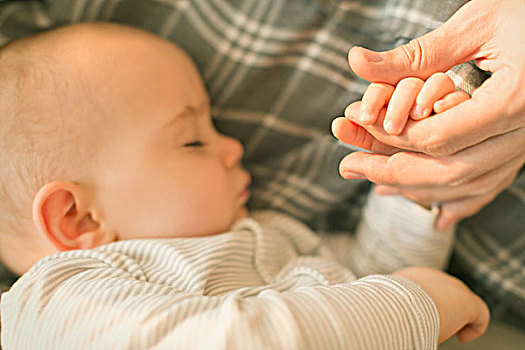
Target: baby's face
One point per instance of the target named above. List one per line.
(165, 171)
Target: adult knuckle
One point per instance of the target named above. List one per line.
(452, 174)
(437, 145)
(382, 177)
(414, 53)
(391, 173)
(482, 190)
(474, 188)
(464, 171)
(448, 179)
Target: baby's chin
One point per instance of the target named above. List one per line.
(243, 212)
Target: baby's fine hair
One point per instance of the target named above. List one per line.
(33, 132)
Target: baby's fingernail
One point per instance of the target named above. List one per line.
(350, 175)
(391, 127)
(439, 106)
(415, 112)
(418, 113)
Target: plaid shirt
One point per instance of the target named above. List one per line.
(277, 74)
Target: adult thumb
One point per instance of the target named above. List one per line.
(454, 42)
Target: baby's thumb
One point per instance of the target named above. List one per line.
(455, 42)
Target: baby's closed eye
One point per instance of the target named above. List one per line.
(194, 144)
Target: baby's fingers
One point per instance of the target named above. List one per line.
(478, 323)
(437, 86)
(451, 100)
(376, 97)
(400, 105)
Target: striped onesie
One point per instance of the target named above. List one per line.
(268, 283)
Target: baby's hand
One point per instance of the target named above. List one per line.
(410, 98)
(461, 312)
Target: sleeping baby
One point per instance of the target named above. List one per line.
(123, 210)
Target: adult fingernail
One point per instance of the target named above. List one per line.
(372, 56)
(350, 175)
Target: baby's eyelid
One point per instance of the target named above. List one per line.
(196, 143)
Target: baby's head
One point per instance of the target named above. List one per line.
(106, 135)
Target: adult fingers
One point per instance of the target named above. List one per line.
(494, 181)
(418, 169)
(453, 211)
(483, 30)
(454, 42)
(491, 111)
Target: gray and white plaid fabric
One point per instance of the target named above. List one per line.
(277, 74)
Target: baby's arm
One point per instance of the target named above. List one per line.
(108, 303)
(394, 233)
(455, 302)
(410, 98)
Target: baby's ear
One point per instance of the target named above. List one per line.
(62, 213)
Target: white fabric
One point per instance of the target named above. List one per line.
(269, 283)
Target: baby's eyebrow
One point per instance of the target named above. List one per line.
(187, 112)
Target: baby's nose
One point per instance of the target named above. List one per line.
(232, 151)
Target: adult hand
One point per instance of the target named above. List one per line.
(479, 143)
(461, 312)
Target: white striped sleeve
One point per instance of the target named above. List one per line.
(86, 303)
(395, 232)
